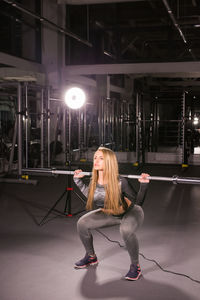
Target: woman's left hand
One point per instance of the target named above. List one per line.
(144, 178)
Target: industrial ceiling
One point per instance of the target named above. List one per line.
(143, 31)
(156, 40)
(114, 33)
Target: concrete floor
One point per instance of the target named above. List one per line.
(37, 261)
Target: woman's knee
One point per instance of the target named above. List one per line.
(82, 224)
(135, 216)
(131, 223)
(127, 229)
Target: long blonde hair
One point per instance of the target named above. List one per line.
(111, 177)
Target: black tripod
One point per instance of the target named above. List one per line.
(69, 186)
(68, 194)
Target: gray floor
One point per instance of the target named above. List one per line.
(37, 261)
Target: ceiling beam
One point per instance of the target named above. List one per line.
(175, 23)
(45, 22)
(23, 64)
(184, 83)
(180, 68)
(15, 74)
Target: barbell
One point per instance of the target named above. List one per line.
(174, 179)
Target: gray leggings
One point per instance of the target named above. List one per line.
(129, 223)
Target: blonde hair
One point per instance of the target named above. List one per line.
(111, 177)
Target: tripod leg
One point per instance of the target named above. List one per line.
(52, 208)
(69, 190)
(68, 202)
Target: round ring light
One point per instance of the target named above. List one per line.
(75, 98)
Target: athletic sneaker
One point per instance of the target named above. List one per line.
(86, 261)
(134, 273)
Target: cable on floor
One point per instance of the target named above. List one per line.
(148, 259)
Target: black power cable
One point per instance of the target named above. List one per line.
(152, 260)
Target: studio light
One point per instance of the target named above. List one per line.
(75, 98)
(196, 120)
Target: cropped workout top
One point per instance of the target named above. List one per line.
(126, 191)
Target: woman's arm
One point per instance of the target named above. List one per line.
(127, 191)
(143, 189)
(141, 194)
(79, 182)
(129, 194)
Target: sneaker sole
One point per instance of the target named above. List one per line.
(85, 266)
(134, 279)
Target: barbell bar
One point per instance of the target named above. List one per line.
(174, 179)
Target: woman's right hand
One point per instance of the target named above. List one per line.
(77, 174)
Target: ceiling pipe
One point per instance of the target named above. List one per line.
(44, 20)
(174, 21)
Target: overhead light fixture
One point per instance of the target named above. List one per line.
(195, 121)
(75, 98)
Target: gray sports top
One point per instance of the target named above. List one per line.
(126, 191)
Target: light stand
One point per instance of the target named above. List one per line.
(69, 187)
(74, 98)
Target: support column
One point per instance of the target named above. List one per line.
(184, 150)
(19, 126)
(137, 129)
(53, 50)
(26, 123)
(42, 130)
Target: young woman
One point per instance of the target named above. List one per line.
(111, 201)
